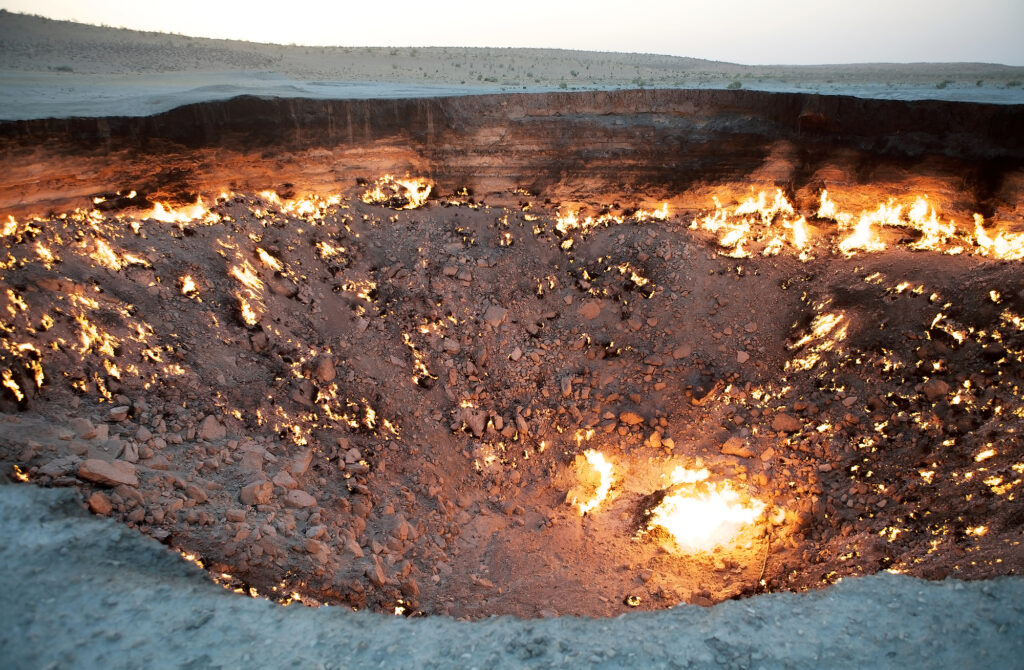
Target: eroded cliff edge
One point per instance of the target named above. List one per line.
(601, 146)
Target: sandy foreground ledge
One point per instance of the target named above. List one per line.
(81, 591)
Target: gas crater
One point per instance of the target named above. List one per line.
(540, 355)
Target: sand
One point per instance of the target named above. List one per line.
(62, 69)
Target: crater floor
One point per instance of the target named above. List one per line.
(353, 402)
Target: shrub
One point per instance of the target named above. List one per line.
(734, 85)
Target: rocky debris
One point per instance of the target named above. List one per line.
(211, 429)
(735, 446)
(256, 493)
(590, 310)
(100, 504)
(303, 449)
(495, 316)
(786, 423)
(631, 418)
(299, 499)
(935, 389)
(301, 463)
(118, 414)
(108, 473)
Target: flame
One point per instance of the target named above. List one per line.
(700, 515)
(247, 275)
(188, 287)
(603, 469)
(398, 193)
(269, 260)
(184, 214)
(248, 312)
(1004, 246)
(754, 221)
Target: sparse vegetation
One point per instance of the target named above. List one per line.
(734, 85)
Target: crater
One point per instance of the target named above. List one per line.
(553, 354)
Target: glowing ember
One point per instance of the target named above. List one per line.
(700, 515)
(398, 193)
(595, 481)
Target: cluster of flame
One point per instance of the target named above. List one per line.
(567, 223)
(396, 193)
(773, 223)
(698, 514)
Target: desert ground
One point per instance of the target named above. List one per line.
(60, 69)
(788, 393)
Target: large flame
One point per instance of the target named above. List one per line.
(700, 515)
(595, 488)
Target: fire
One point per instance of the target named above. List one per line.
(248, 312)
(700, 515)
(398, 193)
(757, 219)
(247, 275)
(1005, 246)
(188, 287)
(184, 214)
(597, 483)
(269, 260)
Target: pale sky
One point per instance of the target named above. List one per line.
(743, 31)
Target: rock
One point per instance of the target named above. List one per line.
(682, 351)
(299, 499)
(284, 480)
(83, 428)
(654, 440)
(476, 420)
(211, 429)
(316, 532)
(751, 327)
(566, 386)
(301, 463)
(495, 315)
(108, 473)
(100, 504)
(58, 467)
(324, 371)
(118, 414)
(130, 452)
(522, 426)
(934, 389)
(786, 423)
(375, 573)
(196, 493)
(257, 493)
(767, 454)
(516, 354)
(742, 357)
(631, 418)
(317, 548)
(235, 515)
(251, 460)
(590, 310)
(734, 446)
